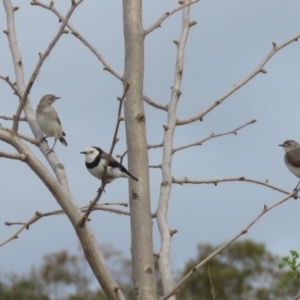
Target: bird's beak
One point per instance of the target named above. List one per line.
(281, 145)
(83, 152)
(57, 98)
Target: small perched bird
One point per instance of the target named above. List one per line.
(292, 157)
(48, 119)
(95, 158)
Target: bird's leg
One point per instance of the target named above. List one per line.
(42, 140)
(51, 150)
(107, 180)
(295, 190)
(98, 191)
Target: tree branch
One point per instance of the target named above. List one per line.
(114, 141)
(59, 188)
(38, 215)
(199, 143)
(6, 78)
(258, 70)
(154, 104)
(149, 147)
(297, 297)
(155, 166)
(216, 181)
(11, 118)
(168, 14)
(225, 245)
(94, 50)
(107, 67)
(166, 185)
(18, 156)
(22, 136)
(12, 39)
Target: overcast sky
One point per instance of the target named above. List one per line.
(230, 39)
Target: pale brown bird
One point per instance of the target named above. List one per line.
(48, 119)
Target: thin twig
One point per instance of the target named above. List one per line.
(94, 50)
(6, 78)
(38, 215)
(211, 284)
(107, 67)
(199, 143)
(18, 156)
(11, 118)
(216, 181)
(166, 15)
(149, 147)
(225, 245)
(258, 70)
(42, 58)
(114, 141)
(155, 104)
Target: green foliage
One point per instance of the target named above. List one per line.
(22, 288)
(244, 271)
(292, 263)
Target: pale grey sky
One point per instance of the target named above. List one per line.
(229, 41)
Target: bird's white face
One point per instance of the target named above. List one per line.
(90, 154)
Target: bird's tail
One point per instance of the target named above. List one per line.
(133, 177)
(63, 141)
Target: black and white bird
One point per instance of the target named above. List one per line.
(48, 120)
(95, 159)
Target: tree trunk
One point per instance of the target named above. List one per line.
(139, 193)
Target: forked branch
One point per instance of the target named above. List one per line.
(168, 14)
(75, 32)
(38, 215)
(259, 69)
(239, 179)
(12, 85)
(22, 136)
(199, 143)
(166, 185)
(42, 58)
(94, 50)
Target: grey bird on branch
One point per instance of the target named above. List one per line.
(292, 157)
(95, 159)
(48, 120)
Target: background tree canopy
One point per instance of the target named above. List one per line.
(246, 270)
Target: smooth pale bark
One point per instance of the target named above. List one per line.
(139, 193)
(167, 177)
(59, 186)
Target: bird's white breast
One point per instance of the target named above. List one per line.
(49, 125)
(111, 173)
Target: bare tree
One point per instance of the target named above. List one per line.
(137, 148)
